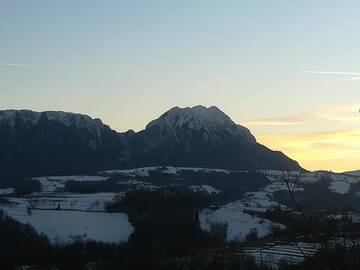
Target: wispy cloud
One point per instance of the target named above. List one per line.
(330, 72)
(351, 79)
(347, 113)
(342, 119)
(356, 75)
(344, 113)
(22, 65)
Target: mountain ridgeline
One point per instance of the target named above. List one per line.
(50, 143)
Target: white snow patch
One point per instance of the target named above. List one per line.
(210, 189)
(67, 226)
(274, 175)
(197, 117)
(6, 191)
(340, 187)
(140, 185)
(239, 223)
(70, 201)
(281, 186)
(311, 177)
(275, 253)
(145, 171)
(204, 188)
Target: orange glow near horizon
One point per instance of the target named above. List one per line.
(337, 150)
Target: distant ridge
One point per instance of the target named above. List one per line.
(39, 143)
(353, 173)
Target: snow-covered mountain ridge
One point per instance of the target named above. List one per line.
(210, 121)
(68, 119)
(188, 137)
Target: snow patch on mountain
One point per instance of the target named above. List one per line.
(196, 117)
(210, 121)
(340, 187)
(11, 117)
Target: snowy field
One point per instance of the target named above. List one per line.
(341, 185)
(68, 225)
(6, 191)
(273, 254)
(340, 182)
(204, 188)
(70, 201)
(240, 224)
(145, 172)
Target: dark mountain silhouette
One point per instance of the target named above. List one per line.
(50, 143)
(46, 143)
(202, 137)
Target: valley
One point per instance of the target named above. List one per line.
(238, 206)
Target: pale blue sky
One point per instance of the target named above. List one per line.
(128, 61)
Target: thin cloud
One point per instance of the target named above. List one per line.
(355, 75)
(351, 79)
(21, 65)
(345, 113)
(343, 119)
(330, 72)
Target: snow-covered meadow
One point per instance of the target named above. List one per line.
(240, 224)
(71, 201)
(145, 171)
(274, 254)
(80, 216)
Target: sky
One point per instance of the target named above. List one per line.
(287, 70)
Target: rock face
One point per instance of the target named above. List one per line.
(46, 143)
(34, 143)
(202, 137)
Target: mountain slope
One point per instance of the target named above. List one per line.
(353, 173)
(35, 143)
(202, 137)
(53, 143)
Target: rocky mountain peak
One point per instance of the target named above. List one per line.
(196, 117)
(210, 121)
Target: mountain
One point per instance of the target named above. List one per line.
(202, 137)
(50, 143)
(34, 143)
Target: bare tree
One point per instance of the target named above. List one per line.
(291, 181)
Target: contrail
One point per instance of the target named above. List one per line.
(330, 72)
(23, 65)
